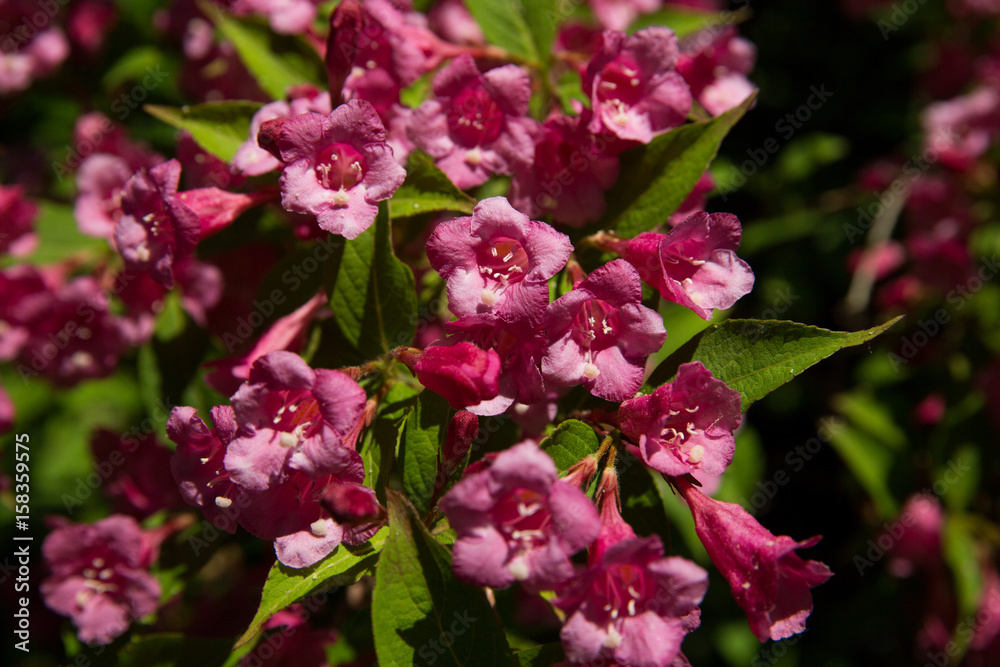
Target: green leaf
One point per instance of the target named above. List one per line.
(542, 18)
(655, 179)
(218, 127)
(540, 656)
(961, 477)
(962, 555)
(421, 614)
(504, 24)
(684, 21)
(427, 189)
(379, 445)
(168, 650)
(755, 357)
(276, 62)
(423, 435)
(286, 585)
(373, 293)
(570, 442)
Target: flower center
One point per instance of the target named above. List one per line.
(474, 117)
(298, 418)
(620, 88)
(340, 167)
(596, 325)
(502, 262)
(677, 428)
(522, 518)
(624, 588)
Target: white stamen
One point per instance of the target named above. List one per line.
(223, 503)
(287, 439)
(97, 562)
(631, 607)
(82, 359)
(341, 198)
(746, 585)
(590, 371)
(142, 252)
(613, 638)
(518, 569)
(696, 454)
(493, 250)
(204, 460)
(105, 574)
(474, 156)
(489, 297)
(508, 256)
(318, 528)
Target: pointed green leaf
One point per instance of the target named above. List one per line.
(543, 17)
(504, 24)
(373, 293)
(421, 614)
(218, 127)
(655, 179)
(276, 61)
(755, 357)
(870, 461)
(570, 442)
(427, 189)
(378, 448)
(423, 435)
(287, 585)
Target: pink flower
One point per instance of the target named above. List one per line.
(287, 17)
(519, 343)
(337, 167)
(497, 261)
(28, 50)
(89, 22)
(769, 581)
(197, 463)
(17, 220)
(916, 537)
(156, 229)
(516, 521)
(695, 263)
(619, 14)
(569, 175)
(961, 129)
(251, 159)
(463, 373)
(100, 576)
(600, 334)
(293, 418)
(7, 411)
(634, 91)
(686, 425)
(477, 125)
(716, 68)
(632, 605)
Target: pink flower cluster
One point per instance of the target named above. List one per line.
(281, 460)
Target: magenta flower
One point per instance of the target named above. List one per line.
(100, 576)
(252, 160)
(632, 605)
(695, 263)
(29, 50)
(517, 522)
(569, 174)
(293, 418)
(7, 411)
(619, 14)
(100, 183)
(917, 537)
(686, 425)
(155, 228)
(716, 69)
(17, 220)
(769, 581)
(337, 167)
(286, 17)
(519, 344)
(197, 463)
(477, 125)
(463, 373)
(600, 334)
(961, 129)
(497, 261)
(136, 484)
(634, 91)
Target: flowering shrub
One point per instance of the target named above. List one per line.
(399, 333)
